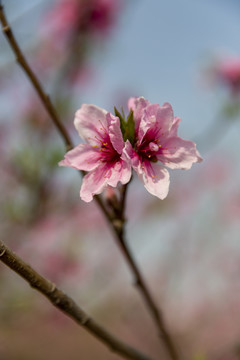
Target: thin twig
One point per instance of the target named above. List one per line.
(139, 281)
(117, 224)
(123, 199)
(142, 287)
(33, 78)
(66, 304)
(39, 89)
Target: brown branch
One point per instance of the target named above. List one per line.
(117, 224)
(33, 78)
(66, 304)
(39, 89)
(142, 287)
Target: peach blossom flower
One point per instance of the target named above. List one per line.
(156, 140)
(103, 154)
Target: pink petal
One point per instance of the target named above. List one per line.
(156, 121)
(115, 133)
(159, 119)
(90, 122)
(94, 183)
(179, 153)
(82, 157)
(120, 172)
(174, 128)
(131, 155)
(137, 105)
(155, 179)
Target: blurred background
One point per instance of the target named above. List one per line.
(102, 52)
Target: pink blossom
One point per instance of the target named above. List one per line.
(156, 140)
(103, 154)
(75, 16)
(103, 15)
(63, 18)
(228, 71)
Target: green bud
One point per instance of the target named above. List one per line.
(122, 120)
(130, 128)
(127, 126)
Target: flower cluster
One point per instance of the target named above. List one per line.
(147, 142)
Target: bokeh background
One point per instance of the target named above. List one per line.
(102, 52)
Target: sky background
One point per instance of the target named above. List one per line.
(158, 49)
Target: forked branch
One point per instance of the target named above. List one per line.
(66, 304)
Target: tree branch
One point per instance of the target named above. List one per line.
(142, 287)
(39, 89)
(66, 304)
(119, 229)
(34, 80)
(117, 224)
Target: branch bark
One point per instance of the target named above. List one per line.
(66, 304)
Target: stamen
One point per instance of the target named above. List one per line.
(102, 127)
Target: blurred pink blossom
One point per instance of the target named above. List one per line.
(63, 17)
(71, 17)
(103, 15)
(228, 72)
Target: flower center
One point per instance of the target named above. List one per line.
(148, 149)
(108, 153)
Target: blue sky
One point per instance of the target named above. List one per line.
(158, 50)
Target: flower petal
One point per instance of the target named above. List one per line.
(120, 172)
(82, 157)
(90, 122)
(157, 119)
(174, 128)
(131, 155)
(94, 183)
(155, 123)
(155, 179)
(115, 133)
(137, 104)
(179, 153)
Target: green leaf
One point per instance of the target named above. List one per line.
(122, 120)
(130, 128)
(127, 126)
